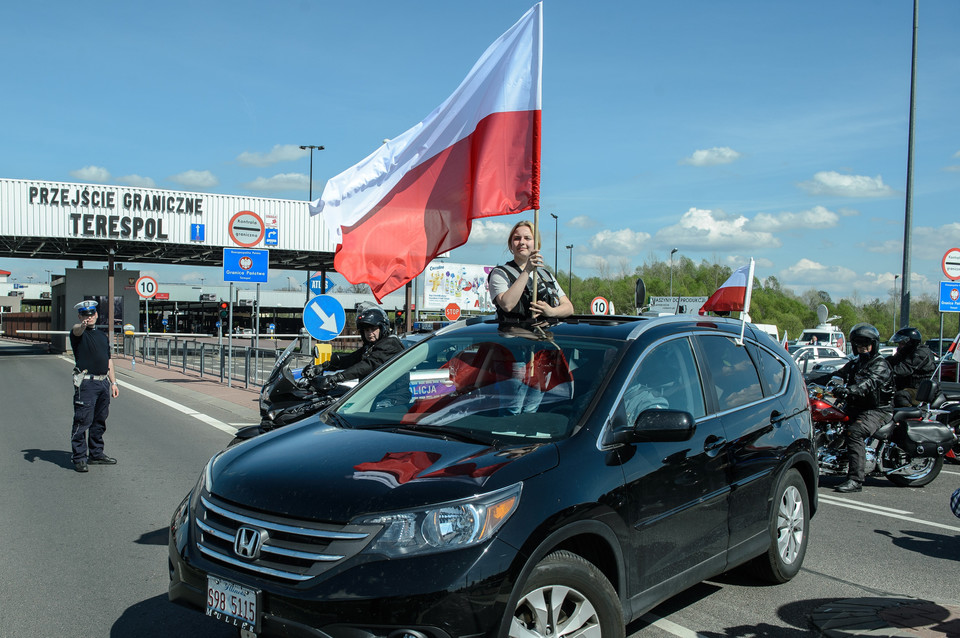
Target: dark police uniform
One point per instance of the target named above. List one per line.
(91, 396)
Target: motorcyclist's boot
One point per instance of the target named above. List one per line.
(850, 485)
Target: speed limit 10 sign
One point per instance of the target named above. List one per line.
(599, 306)
(146, 287)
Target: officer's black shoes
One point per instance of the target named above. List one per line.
(850, 485)
(80, 466)
(102, 460)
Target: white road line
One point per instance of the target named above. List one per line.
(876, 510)
(949, 472)
(669, 626)
(840, 500)
(209, 420)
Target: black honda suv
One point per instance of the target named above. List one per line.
(534, 481)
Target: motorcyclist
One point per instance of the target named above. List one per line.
(912, 363)
(378, 347)
(868, 392)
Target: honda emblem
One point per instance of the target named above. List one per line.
(247, 543)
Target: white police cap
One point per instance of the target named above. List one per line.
(87, 305)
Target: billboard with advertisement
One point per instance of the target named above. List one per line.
(462, 284)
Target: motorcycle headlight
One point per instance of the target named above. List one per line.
(445, 526)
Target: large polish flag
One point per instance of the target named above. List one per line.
(734, 294)
(476, 155)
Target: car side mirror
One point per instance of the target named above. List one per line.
(658, 425)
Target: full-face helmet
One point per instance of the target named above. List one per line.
(373, 318)
(907, 339)
(865, 334)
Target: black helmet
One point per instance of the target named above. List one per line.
(907, 338)
(865, 334)
(373, 318)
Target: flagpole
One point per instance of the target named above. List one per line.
(745, 314)
(536, 243)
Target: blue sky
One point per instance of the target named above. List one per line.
(776, 130)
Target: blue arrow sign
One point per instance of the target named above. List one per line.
(324, 318)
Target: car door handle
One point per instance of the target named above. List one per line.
(713, 444)
(776, 417)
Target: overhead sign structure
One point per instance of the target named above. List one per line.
(246, 228)
(949, 296)
(246, 265)
(951, 264)
(146, 287)
(324, 318)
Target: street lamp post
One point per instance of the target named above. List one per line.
(570, 274)
(312, 149)
(671, 271)
(556, 242)
(895, 303)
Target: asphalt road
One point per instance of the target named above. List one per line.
(85, 554)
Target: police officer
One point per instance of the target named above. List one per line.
(94, 384)
(869, 397)
(912, 363)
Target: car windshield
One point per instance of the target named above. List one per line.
(489, 385)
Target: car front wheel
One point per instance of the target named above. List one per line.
(566, 595)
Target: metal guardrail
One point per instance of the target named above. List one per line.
(247, 365)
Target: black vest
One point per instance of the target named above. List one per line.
(546, 291)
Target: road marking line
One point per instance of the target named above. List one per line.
(209, 420)
(839, 500)
(872, 510)
(670, 626)
(949, 472)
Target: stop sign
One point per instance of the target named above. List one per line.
(452, 312)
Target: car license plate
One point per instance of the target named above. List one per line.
(233, 603)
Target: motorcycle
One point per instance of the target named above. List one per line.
(908, 450)
(286, 398)
(945, 407)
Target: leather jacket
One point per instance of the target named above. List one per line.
(869, 384)
(911, 368)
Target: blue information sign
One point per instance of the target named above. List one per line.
(197, 232)
(246, 264)
(272, 237)
(315, 287)
(950, 296)
(324, 318)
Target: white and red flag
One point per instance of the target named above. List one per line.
(476, 155)
(734, 294)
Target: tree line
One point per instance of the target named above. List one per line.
(771, 303)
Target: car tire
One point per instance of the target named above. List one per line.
(789, 531)
(566, 595)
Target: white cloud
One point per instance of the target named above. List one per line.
(137, 180)
(817, 218)
(279, 183)
(582, 222)
(952, 168)
(957, 154)
(712, 156)
(708, 229)
(195, 179)
(840, 185)
(95, 174)
(619, 242)
(279, 153)
(490, 232)
(810, 274)
(888, 247)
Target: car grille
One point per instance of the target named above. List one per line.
(291, 551)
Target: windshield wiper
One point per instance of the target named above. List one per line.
(339, 421)
(449, 433)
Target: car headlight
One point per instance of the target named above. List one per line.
(445, 526)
